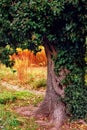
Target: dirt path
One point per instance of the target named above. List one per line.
(27, 111)
(17, 88)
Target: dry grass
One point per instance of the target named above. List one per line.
(36, 77)
(25, 60)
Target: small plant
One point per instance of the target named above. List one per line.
(8, 120)
(39, 83)
(7, 97)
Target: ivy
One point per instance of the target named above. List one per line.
(72, 58)
(76, 100)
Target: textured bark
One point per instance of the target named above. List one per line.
(52, 106)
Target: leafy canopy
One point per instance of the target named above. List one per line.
(28, 21)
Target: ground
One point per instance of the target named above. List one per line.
(17, 105)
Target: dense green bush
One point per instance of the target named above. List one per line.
(76, 100)
(73, 59)
(5, 53)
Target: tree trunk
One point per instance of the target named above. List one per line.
(52, 106)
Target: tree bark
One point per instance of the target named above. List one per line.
(52, 106)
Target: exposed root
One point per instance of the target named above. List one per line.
(44, 122)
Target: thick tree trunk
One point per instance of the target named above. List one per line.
(52, 106)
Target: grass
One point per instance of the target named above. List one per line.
(9, 99)
(12, 121)
(36, 77)
(6, 73)
(9, 119)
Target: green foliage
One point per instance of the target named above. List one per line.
(57, 20)
(73, 59)
(8, 120)
(5, 56)
(76, 101)
(7, 97)
(11, 97)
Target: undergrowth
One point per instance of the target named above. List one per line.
(9, 119)
(36, 77)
